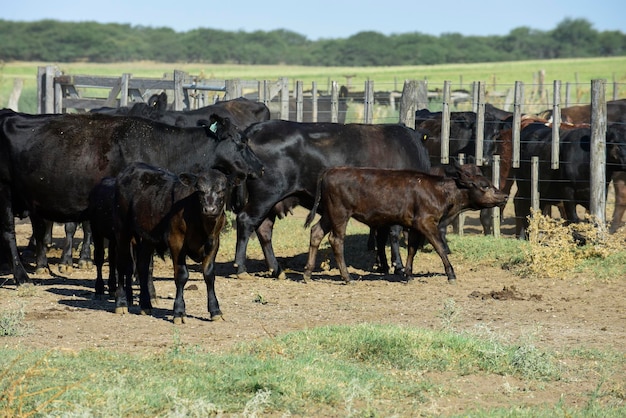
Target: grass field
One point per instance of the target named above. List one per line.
(497, 76)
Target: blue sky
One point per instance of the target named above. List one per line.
(318, 19)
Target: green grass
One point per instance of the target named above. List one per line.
(367, 370)
(498, 77)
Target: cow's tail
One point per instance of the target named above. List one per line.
(318, 196)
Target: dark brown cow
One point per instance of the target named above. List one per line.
(377, 197)
(163, 211)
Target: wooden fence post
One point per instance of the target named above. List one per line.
(179, 94)
(517, 118)
(14, 98)
(534, 181)
(460, 220)
(284, 98)
(408, 103)
(314, 101)
(598, 151)
(495, 212)
(556, 125)
(232, 89)
(445, 124)
(369, 102)
(49, 88)
(480, 123)
(422, 95)
(299, 101)
(334, 102)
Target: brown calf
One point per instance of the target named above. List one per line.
(378, 197)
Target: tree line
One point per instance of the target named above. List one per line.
(56, 41)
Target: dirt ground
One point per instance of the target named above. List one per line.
(559, 314)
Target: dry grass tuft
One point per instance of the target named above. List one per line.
(557, 248)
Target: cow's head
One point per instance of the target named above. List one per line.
(212, 188)
(616, 146)
(233, 155)
(482, 193)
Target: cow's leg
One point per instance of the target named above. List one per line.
(395, 233)
(371, 240)
(143, 265)
(337, 238)
(113, 282)
(65, 264)
(47, 238)
(414, 241)
(181, 275)
(247, 223)
(98, 258)
(619, 186)
(486, 220)
(522, 211)
(318, 232)
(381, 242)
(124, 266)
(150, 283)
(208, 271)
(264, 234)
(84, 260)
(245, 227)
(430, 228)
(7, 223)
(39, 230)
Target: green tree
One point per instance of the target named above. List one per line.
(576, 38)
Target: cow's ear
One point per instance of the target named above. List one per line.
(188, 179)
(221, 122)
(462, 178)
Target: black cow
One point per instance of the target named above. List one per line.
(241, 112)
(160, 211)
(568, 185)
(295, 154)
(462, 133)
(50, 164)
(377, 197)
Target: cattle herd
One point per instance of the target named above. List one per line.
(146, 179)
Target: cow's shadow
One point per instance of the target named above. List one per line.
(357, 256)
(85, 300)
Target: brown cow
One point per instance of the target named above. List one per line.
(378, 197)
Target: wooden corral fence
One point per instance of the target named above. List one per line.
(58, 93)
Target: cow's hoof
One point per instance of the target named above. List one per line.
(65, 269)
(85, 264)
(306, 276)
(178, 320)
(217, 317)
(146, 311)
(451, 281)
(42, 270)
(244, 276)
(121, 310)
